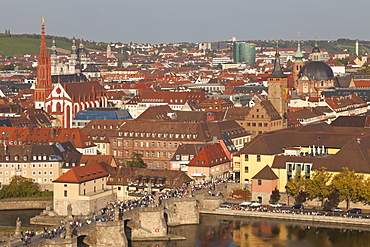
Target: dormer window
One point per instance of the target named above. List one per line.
(44, 157)
(15, 158)
(6, 157)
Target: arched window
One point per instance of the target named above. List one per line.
(59, 107)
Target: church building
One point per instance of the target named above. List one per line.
(64, 100)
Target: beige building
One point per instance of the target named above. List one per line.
(41, 163)
(84, 188)
(301, 150)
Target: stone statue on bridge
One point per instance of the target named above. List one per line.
(17, 232)
(69, 213)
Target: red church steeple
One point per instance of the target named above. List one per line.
(44, 83)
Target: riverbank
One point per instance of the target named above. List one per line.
(314, 220)
(26, 203)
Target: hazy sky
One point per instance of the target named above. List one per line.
(165, 21)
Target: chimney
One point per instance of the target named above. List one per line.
(214, 139)
(211, 116)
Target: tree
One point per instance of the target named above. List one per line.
(318, 186)
(365, 191)
(365, 69)
(136, 161)
(20, 187)
(333, 199)
(275, 196)
(295, 186)
(348, 185)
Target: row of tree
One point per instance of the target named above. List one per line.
(346, 185)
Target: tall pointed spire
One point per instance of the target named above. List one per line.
(298, 55)
(44, 83)
(278, 71)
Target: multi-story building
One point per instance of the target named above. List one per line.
(299, 151)
(157, 141)
(260, 118)
(84, 188)
(12, 136)
(99, 132)
(41, 163)
(176, 100)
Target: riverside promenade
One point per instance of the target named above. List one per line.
(311, 219)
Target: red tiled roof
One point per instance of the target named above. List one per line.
(83, 174)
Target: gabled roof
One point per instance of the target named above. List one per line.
(210, 155)
(83, 174)
(266, 174)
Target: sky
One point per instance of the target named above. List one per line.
(173, 21)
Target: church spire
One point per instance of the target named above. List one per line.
(44, 83)
(298, 55)
(278, 71)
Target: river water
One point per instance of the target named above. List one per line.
(220, 231)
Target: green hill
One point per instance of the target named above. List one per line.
(15, 46)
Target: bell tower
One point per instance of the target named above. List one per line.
(298, 62)
(44, 83)
(277, 87)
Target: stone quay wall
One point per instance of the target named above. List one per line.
(18, 204)
(344, 222)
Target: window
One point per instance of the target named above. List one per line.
(258, 158)
(246, 157)
(246, 169)
(259, 182)
(65, 193)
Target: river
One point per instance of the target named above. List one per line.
(220, 231)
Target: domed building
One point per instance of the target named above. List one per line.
(314, 77)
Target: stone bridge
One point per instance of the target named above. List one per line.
(139, 224)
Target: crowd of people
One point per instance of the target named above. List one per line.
(154, 199)
(109, 212)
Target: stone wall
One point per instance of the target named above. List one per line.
(181, 211)
(15, 204)
(146, 222)
(209, 202)
(84, 207)
(101, 234)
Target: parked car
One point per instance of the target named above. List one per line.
(355, 211)
(336, 210)
(255, 204)
(225, 205)
(275, 205)
(298, 206)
